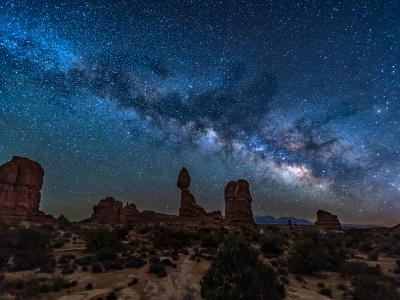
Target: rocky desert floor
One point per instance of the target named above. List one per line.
(158, 261)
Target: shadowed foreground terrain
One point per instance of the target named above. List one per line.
(177, 261)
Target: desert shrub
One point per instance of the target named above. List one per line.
(313, 252)
(373, 255)
(122, 231)
(169, 238)
(237, 273)
(133, 281)
(30, 287)
(390, 244)
(252, 235)
(135, 262)
(105, 244)
(29, 247)
(112, 296)
(89, 286)
(360, 239)
(211, 238)
(97, 267)
(272, 243)
(298, 277)
(59, 243)
(355, 268)
(366, 287)
(326, 291)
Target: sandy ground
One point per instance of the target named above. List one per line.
(181, 281)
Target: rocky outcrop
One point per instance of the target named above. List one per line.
(112, 211)
(327, 220)
(238, 203)
(394, 229)
(21, 180)
(189, 207)
(63, 220)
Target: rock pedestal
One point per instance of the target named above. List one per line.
(21, 180)
(238, 203)
(327, 220)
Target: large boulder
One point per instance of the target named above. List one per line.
(21, 180)
(238, 203)
(327, 220)
(183, 182)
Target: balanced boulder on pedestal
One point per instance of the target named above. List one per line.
(189, 207)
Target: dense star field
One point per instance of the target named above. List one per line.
(301, 99)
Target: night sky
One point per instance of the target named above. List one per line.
(301, 99)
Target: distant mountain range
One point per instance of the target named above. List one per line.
(270, 220)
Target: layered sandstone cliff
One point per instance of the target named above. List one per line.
(238, 203)
(21, 180)
(327, 220)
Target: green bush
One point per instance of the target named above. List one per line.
(29, 247)
(355, 268)
(105, 244)
(272, 243)
(237, 273)
(210, 237)
(367, 287)
(326, 291)
(313, 252)
(170, 238)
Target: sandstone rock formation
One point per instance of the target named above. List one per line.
(238, 203)
(327, 220)
(113, 211)
(189, 207)
(63, 220)
(21, 180)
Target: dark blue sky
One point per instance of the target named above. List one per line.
(301, 99)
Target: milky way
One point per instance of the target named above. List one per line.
(301, 99)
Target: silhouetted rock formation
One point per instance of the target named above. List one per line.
(21, 180)
(394, 229)
(111, 211)
(327, 220)
(189, 207)
(129, 213)
(238, 203)
(63, 220)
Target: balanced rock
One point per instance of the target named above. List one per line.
(327, 220)
(189, 207)
(21, 180)
(238, 203)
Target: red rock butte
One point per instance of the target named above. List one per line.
(21, 180)
(238, 203)
(326, 220)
